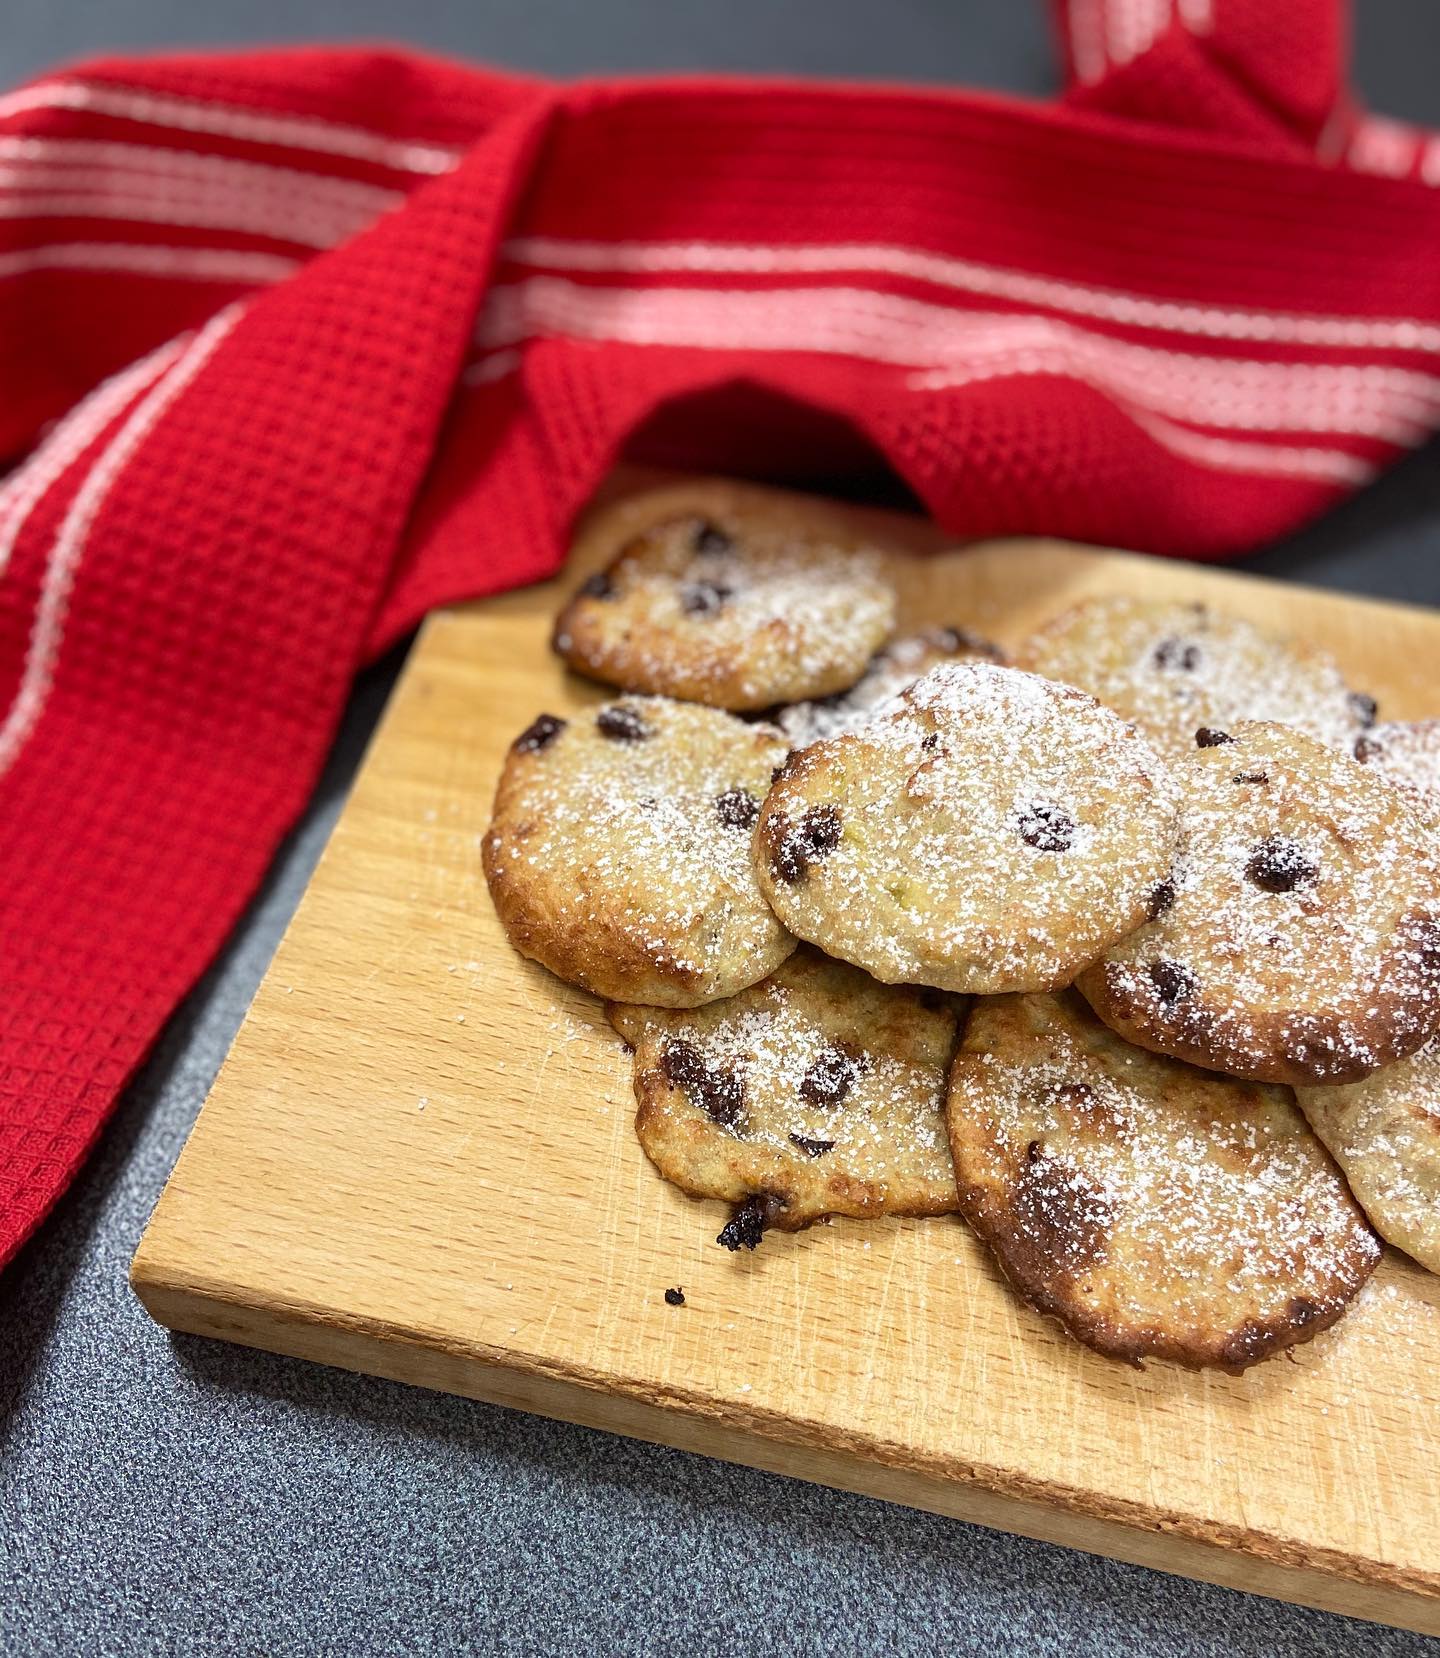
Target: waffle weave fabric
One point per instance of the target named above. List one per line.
(297, 345)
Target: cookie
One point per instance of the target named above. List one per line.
(1155, 1210)
(891, 671)
(618, 854)
(818, 1092)
(1298, 937)
(1384, 1133)
(1407, 754)
(1174, 668)
(990, 831)
(738, 616)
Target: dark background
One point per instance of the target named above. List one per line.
(163, 1495)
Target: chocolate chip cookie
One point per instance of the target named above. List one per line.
(990, 831)
(1155, 1210)
(1384, 1133)
(738, 616)
(1173, 669)
(818, 1092)
(891, 671)
(1298, 937)
(618, 854)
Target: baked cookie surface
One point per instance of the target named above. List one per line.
(818, 1092)
(892, 670)
(1407, 754)
(618, 853)
(1173, 668)
(989, 831)
(1298, 937)
(739, 616)
(1155, 1210)
(1384, 1133)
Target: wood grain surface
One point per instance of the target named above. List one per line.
(418, 1161)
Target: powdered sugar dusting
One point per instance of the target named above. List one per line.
(1205, 1208)
(1408, 755)
(998, 832)
(1385, 1134)
(836, 1099)
(1328, 974)
(1173, 668)
(736, 621)
(891, 671)
(622, 838)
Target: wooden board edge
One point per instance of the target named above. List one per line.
(1253, 1565)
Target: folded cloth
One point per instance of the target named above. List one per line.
(296, 345)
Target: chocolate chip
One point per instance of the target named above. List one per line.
(621, 724)
(1366, 748)
(682, 1065)
(1280, 864)
(930, 742)
(675, 1297)
(1364, 707)
(1176, 653)
(737, 808)
(723, 1099)
(1173, 982)
(830, 1078)
(1208, 737)
(812, 1148)
(539, 735)
(962, 639)
(1161, 900)
(816, 835)
(710, 538)
(719, 1094)
(704, 598)
(1251, 777)
(598, 586)
(747, 1225)
(1046, 828)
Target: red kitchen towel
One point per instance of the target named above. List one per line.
(295, 345)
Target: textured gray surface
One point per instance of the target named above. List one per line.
(178, 1496)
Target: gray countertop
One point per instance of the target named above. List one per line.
(171, 1495)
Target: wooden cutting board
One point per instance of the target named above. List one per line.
(418, 1161)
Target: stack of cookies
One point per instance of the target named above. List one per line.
(1095, 949)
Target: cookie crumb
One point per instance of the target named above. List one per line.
(675, 1297)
